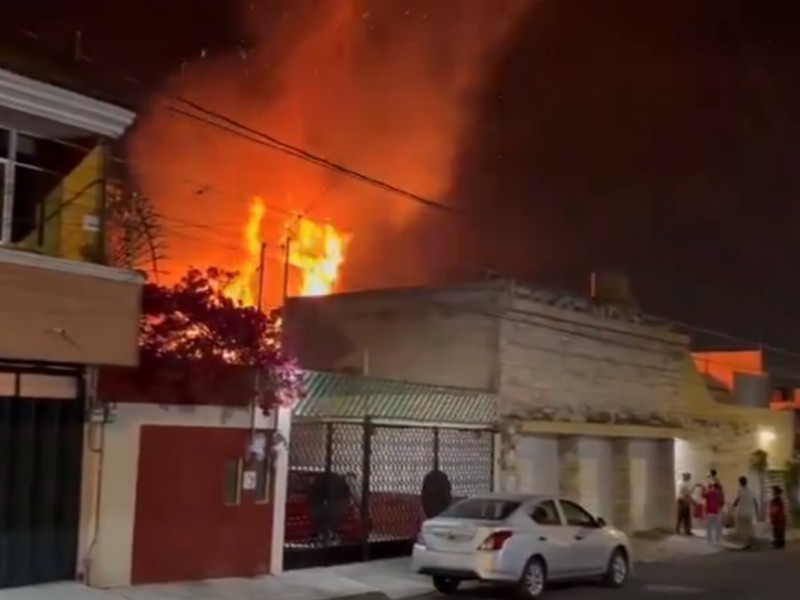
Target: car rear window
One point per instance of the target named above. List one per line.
(481, 508)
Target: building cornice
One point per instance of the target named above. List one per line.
(47, 101)
(73, 267)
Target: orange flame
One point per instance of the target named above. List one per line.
(317, 250)
(241, 289)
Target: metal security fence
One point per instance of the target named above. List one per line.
(360, 490)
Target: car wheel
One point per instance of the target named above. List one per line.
(446, 585)
(533, 580)
(617, 570)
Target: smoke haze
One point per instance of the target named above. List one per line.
(386, 88)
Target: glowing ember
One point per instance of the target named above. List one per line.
(317, 250)
(242, 289)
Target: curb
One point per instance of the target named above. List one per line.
(363, 596)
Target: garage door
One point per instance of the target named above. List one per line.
(538, 464)
(41, 441)
(595, 482)
(652, 474)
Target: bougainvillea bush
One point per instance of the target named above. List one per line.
(197, 346)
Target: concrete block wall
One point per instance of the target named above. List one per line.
(573, 365)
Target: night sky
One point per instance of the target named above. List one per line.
(662, 139)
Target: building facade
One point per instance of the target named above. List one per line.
(169, 495)
(595, 402)
(62, 312)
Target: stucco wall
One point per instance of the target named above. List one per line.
(109, 488)
(442, 336)
(50, 311)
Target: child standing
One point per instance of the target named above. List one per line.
(777, 518)
(714, 500)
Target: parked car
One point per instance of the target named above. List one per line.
(526, 541)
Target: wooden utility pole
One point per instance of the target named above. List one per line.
(254, 403)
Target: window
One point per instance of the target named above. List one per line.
(40, 189)
(233, 482)
(576, 516)
(37, 198)
(546, 513)
(487, 509)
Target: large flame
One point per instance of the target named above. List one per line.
(242, 288)
(317, 250)
(384, 87)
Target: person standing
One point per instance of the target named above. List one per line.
(714, 480)
(777, 518)
(746, 508)
(713, 498)
(684, 520)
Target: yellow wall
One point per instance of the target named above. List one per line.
(724, 436)
(80, 195)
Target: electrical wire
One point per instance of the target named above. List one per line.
(243, 131)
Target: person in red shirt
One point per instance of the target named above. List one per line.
(714, 499)
(777, 518)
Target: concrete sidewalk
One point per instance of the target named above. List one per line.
(377, 580)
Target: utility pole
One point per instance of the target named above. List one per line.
(260, 289)
(257, 379)
(286, 254)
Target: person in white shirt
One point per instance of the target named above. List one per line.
(684, 522)
(746, 507)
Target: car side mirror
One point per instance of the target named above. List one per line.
(601, 522)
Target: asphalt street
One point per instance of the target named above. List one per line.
(762, 575)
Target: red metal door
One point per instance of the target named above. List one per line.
(184, 530)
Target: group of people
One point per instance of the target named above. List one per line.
(744, 509)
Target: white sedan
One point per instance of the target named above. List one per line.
(523, 540)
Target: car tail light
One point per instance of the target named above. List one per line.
(496, 541)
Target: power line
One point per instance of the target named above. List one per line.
(220, 121)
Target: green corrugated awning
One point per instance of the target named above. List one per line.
(335, 395)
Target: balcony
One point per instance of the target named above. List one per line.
(56, 305)
(53, 159)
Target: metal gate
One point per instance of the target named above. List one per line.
(41, 442)
(359, 491)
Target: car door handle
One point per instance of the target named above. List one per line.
(542, 538)
(578, 537)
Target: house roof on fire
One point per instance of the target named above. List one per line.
(345, 396)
